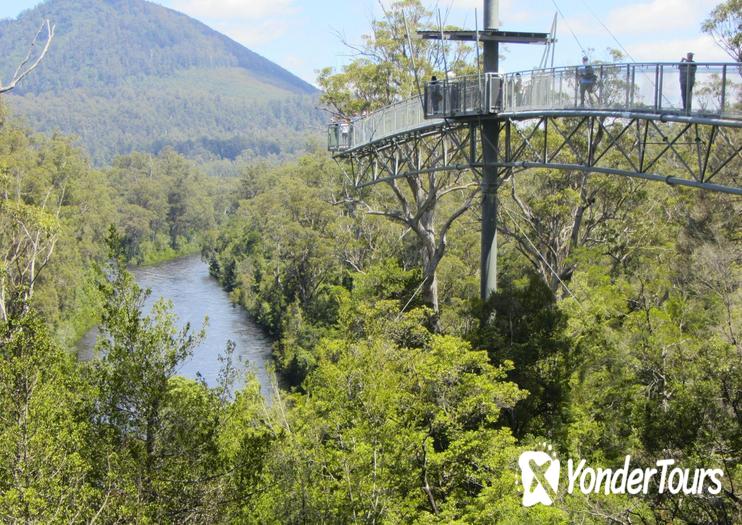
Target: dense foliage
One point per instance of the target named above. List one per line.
(130, 75)
(639, 357)
(55, 211)
(615, 331)
(724, 24)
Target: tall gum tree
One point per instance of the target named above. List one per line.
(390, 65)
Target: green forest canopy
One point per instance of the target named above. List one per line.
(384, 416)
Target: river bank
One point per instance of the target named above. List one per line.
(196, 295)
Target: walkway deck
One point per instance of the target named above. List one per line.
(646, 90)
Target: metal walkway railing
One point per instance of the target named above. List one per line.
(405, 116)
(713, 91)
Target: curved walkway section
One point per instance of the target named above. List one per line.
(397, 119)
(712, 90)
(696, 92)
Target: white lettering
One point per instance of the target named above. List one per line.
(572, 475)
(648, 477)
(618, 483)
(664, 463)
(589, 488)
(625, 480)
(634, 482)
(693, 489)
(715, 476)
(675, 486)
(604, 476)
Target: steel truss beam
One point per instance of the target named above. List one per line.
(706, 156)
(451, 148)
(703, 155)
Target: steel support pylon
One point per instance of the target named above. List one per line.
(490, 181)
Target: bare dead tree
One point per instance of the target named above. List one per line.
(28, 236)
(33, 58)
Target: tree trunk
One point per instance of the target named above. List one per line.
(430, 285)
(430, 259)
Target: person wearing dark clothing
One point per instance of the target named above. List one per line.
(586, 78)
(687, 69)
(435, 95)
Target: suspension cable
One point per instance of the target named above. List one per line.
(412, 58)
(579, 44)
(442, 46)
(615, 39)
(608, 31)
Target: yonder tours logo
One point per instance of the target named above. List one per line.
(540, 473)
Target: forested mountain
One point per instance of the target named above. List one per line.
(391, 405)
(127, 75)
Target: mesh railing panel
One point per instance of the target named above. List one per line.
(711, 90)
(391, 120)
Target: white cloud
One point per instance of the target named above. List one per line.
(241, 9)
(703, 47)
(659, 16)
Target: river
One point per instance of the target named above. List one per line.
(195, 295)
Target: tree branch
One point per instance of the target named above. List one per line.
(20, 72)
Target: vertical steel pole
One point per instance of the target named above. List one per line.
(491, 8)
(723, 89)
(490, 135)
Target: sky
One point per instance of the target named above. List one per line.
(306, 35)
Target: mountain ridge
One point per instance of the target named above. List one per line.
(142, 19)
(127, 75)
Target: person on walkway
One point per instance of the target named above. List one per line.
(345, 126)
(453, 91)
(334, 133)
(435, 95)
(687, 69)
(518, 88)
(586, 78)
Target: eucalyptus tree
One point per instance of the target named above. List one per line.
(32, 194)
(155, 431)
(390, 65)
(725, 25)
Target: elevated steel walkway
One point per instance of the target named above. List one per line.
(647, 91)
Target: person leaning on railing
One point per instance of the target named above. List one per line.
(333, 134)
